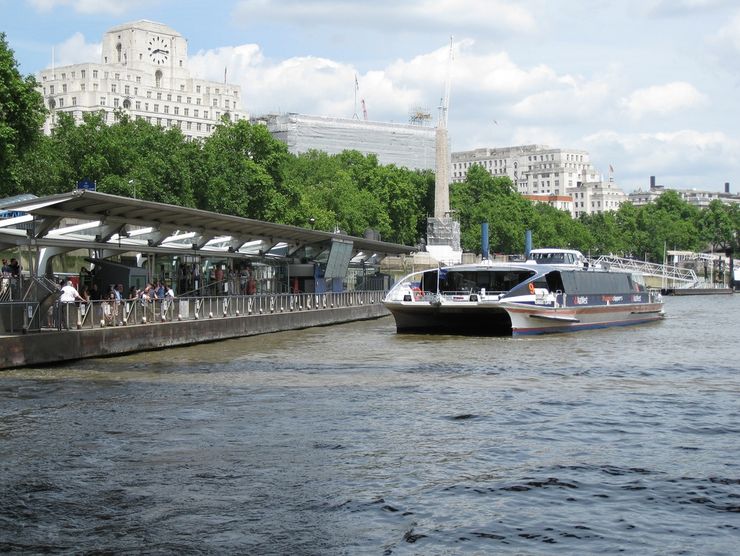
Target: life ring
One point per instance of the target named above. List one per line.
(531, 287)
(418, 294)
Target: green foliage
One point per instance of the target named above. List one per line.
(22, 114)
(484, 198)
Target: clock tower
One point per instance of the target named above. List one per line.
(143, 73)
(147, 45)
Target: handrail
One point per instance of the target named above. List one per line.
(670, 272)
(91, 315)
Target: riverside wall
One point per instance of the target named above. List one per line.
(48, 347)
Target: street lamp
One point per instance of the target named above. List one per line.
(133, 184)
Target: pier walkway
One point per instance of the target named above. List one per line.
(87, 330)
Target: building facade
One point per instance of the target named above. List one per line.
(143, 73)
(405, 145)
(545, 174)
(696, 197)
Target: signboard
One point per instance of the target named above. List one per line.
(86, 184)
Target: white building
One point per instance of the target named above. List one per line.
(144, 73)
(541, 172)
(696, 197)
(405, 145)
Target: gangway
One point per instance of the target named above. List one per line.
(671, 276)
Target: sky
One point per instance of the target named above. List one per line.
(648, 87)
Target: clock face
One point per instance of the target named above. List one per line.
(159, 50)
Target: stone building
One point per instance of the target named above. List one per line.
(545, 174)
(144, 73)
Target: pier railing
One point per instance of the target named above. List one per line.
(26, 316)
(679, 277)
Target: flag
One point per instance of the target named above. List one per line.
(611, 168)
(357, 85)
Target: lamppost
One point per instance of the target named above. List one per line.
(132, 183)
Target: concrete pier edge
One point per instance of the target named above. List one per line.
(51, 347)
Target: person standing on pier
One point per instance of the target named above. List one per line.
(69, 296)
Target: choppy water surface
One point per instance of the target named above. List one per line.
(355, 440)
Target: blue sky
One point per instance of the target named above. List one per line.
(647, 86)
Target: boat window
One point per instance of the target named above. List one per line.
(473, 281)
(554, 282)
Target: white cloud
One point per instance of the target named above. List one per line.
(662, 99)
(112, 7)
(680, 7)
(410, 14)
(75, 51)
(729, 35)
(688, 153)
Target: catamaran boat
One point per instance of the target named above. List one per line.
(553, 291)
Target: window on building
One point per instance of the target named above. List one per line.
(169, 97)
(190, 100)
(198, 126)
(74, 101)
(195, 112)
(205, 114)
(127, 90)
(118, 52)
(197, 101)
(82, 74)
(197, 89)
(64, 87)
(51, 89)
(158, 78)
(118, 77)
(115, 102)
(95, 86)
(113, 88)
(95, 74)
(159, 96)
(177, 110)
(102, 101)
(186, 111)
(61, 102)
(156, 107)
(166, 109)
(146, 106)
(138, 105)
(188, 125)
(138, 79)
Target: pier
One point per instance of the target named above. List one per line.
(168, 276)
(181, 322)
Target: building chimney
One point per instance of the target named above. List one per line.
(727, 187)
(652, 182)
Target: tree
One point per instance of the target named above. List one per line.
(22, 114)
(242, 173)
(484, 198)
(716, 224)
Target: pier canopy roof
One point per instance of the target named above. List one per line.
(84, 219)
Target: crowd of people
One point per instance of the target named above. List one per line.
(108, 305)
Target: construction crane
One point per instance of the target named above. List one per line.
(364, 109)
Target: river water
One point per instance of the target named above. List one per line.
(353, 439)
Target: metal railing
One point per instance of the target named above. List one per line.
(672, 274)
(111, 313)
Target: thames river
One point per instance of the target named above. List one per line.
(353, 439)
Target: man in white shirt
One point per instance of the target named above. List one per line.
(69, 296)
